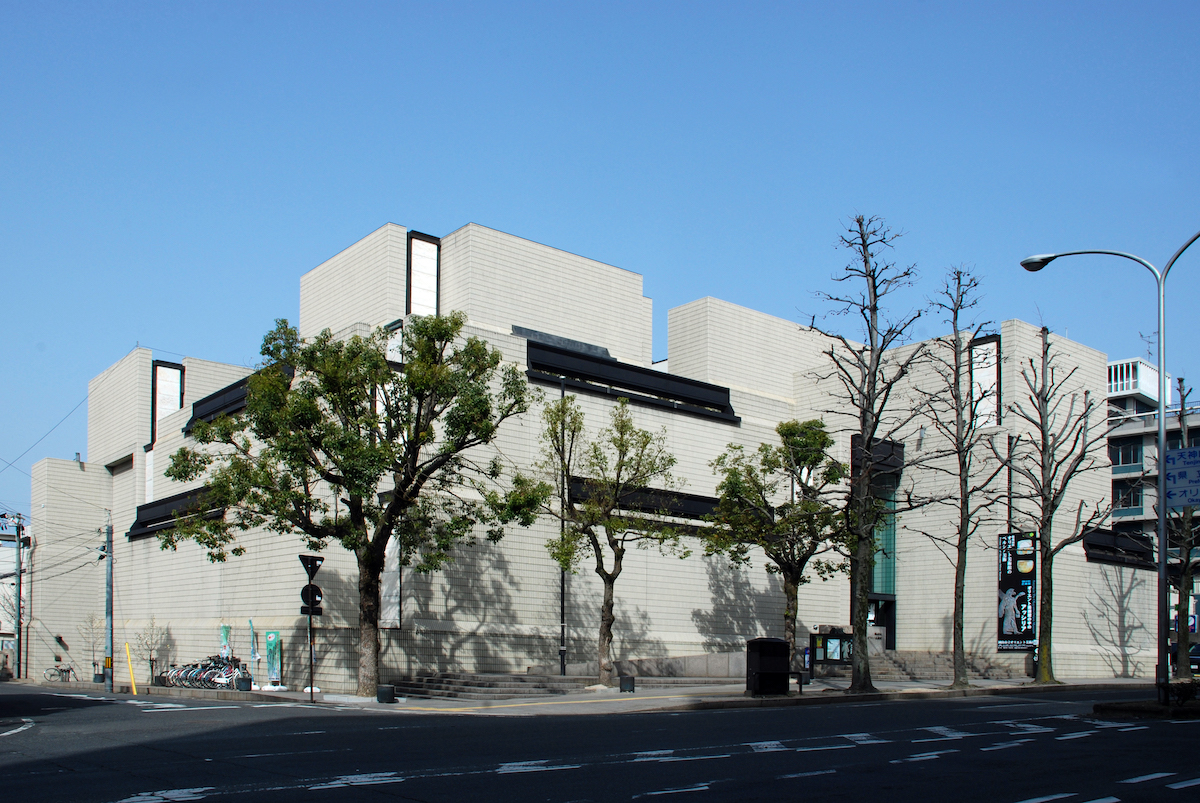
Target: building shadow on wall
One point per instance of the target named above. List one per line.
(739, 611)
(335, 637)
(473, 624)
(1111, 620)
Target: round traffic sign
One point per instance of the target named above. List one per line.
(311, 594)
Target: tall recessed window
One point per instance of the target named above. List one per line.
(985, 379)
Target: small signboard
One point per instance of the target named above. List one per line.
(1016, 630)
(1182, 477)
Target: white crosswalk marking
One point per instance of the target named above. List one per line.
(1154, 776)
(1184, 784)
(863, 738)
(943, 734)
(766, 747)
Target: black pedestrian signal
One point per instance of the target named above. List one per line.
(311, 596)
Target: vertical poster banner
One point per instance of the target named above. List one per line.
(274, 658)
(1018, 591)
(226, 650)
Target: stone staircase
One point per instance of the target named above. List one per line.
(900, 665)
(485, 686)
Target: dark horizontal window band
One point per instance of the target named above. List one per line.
(1119, 549)
(634, 398)
(226, 401)
(589, 373)
(653, 501)
(153, 517)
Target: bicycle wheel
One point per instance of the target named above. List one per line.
(51, 674)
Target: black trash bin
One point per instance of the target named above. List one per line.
(767, 666)
(385, 693)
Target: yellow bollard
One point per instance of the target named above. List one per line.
(129, 661)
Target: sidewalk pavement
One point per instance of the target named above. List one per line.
(650, 698)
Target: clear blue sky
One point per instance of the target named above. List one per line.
(168, 171)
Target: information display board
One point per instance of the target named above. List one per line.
(1016, 628)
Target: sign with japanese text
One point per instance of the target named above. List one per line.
(1018, 590)
(1182, 477)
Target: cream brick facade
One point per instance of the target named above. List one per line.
(496, 607)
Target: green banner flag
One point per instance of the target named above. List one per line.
(274, 657)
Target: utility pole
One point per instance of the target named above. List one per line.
(17, 624)
(108, 606)
(19, 543)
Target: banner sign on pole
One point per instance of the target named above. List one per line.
(274, 657)
(1016, 630)
(1182, 477)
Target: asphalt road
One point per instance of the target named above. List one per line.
(1036, 747)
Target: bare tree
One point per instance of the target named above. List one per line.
(603, 496)
(866, 377)
(1183, 531)
(961, 411)
(1062, 445)
(91, 630)
(147, 642)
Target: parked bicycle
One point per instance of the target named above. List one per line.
(61, 672)
(214, 672)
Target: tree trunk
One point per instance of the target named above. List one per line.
(1045, 667)
(790, 586)
(369, 588)
(961, 681)
(860, 678)
(1183, 656)
(604, 645)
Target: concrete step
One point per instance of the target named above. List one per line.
(468, 686)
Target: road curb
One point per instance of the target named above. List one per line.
(841, 697)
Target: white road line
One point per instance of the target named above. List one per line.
(533, 766)
(363, 779)
(1076, 735)
(296, 752)
(1184, 784)
(671, 759)
(170, 795)
(766, 747)
(936, 754)
(652, 755)
(1105, 800)
(1154, 776)
(826, 747)
(805, 774)
(188, 708)
(1026, 727)
(303, 733)
(28, 724)
(1048, 798)
(943, 734)
(1006, 745)
(862, 738)
(703, 787)
(1135, 728)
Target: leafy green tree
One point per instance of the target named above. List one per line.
(337, 445)
(606, 499)
(778, 499)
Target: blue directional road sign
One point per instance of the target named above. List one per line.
(1183, 477)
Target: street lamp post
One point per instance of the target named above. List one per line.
(1036, 263)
